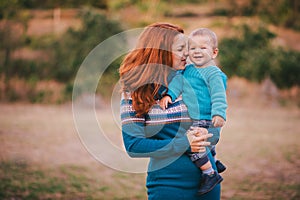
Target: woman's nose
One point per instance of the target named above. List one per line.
(186, 53)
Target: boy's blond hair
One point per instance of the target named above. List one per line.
(206, 32)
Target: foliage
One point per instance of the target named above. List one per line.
(46, 4)
(144, 5)
(286, 74)
(8, 8)
(75, 45)
(250, 55)
(66, 52)
(28, 68)
(12, 34)
(283, 12)
(253, 57)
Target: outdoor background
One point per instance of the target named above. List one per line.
(43, 44)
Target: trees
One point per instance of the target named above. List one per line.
(72, 47)
(281, 13)
(12, 33)
(66, 51)
(252, 56)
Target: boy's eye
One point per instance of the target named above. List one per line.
(203, 47)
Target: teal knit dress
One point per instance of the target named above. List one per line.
(161, 135)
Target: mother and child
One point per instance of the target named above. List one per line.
(172, 111)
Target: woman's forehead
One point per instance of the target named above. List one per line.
(180, 39)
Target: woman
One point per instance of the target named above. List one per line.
(149, 131)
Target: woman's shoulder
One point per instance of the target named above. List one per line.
(125, 95)
(127, 112)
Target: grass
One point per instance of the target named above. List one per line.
(41, 156)
(22, 181)
(250, 189)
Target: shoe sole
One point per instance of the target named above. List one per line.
(222, 170)
(220, 180)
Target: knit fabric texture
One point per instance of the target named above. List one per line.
(203, 91)
(161, 136)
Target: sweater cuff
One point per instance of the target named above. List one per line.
(223, 116)
(171, 95)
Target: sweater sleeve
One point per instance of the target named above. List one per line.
(217, 87)
(175, 86)
(136, 142)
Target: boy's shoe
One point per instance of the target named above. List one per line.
(220, 167)
(208, 182)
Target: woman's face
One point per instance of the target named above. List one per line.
(179, 50)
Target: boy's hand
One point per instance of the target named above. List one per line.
(163, 103)
(218, 121)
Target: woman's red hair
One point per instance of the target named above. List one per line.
(146, 68)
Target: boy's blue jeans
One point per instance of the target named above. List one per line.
(201, 158)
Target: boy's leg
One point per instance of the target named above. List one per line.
(210, 178)
(204, 164)
(220, 166)
(213, 150)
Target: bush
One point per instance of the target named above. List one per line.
(27, 68)
(75, 45)
(283, 12)
(287, 73)
(58, 3)
(252, 57)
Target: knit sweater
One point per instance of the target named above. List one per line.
(203, 91)
(161, 136)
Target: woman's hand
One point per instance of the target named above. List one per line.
(197, 138)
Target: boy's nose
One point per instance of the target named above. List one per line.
(199, 50)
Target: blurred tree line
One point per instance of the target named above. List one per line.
(280, 12)
(66, 51)
(251, 55)
(49, 4)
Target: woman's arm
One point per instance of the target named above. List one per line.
(137, 144)
(149, 147)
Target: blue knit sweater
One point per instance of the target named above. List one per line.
(203, 91)
(161, 135)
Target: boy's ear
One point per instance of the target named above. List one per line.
(215, 52)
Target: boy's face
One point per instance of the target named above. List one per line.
(201, 52)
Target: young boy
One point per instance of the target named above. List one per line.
(202, 85)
